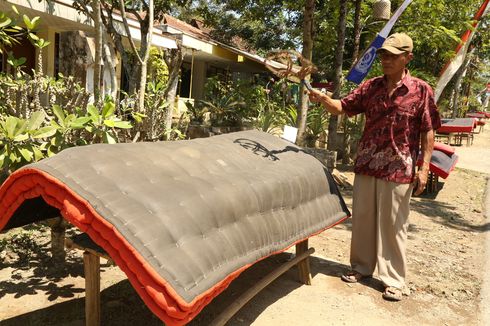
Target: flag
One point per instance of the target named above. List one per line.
(455, 63)
(363, 65)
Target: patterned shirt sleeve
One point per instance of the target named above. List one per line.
(430, 114)
(353, 104)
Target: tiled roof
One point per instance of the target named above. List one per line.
(186, 28)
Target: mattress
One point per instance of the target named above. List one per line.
(457, 125)
(182, 219)
(443, 160)
(478, 115)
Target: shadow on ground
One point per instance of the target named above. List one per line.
(446, 214)
(46, 274)
(120, 304)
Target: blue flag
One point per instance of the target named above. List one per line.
(365, 62)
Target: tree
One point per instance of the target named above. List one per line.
(135, 61)
(357, 31)
(265, 25)
(435, 27)
(173, 59)
(307, 53)
(339, 57)
(96, 17)
(141, 54)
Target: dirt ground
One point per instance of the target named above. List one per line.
(446, 254)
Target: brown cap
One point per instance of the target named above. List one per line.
(397, 43)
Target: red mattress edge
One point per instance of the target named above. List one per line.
(157, 294)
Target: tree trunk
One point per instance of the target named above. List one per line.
(357, 32)
(307, 53)
(98, 49)
(339, 56)
(111, 65)
(173, 59)
(132, 65)
(127, 62)
(142, 87)
(146, 34)
(355, 53)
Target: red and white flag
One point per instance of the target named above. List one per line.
(455, 63)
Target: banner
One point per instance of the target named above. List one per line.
(455, 63)
(363, 65)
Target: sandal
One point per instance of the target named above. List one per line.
(353, 277)
(392, 294)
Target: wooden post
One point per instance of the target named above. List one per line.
(303, 265)
(92, 288)
(58, 228)
(232, 309)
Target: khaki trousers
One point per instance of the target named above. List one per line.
(380, 212)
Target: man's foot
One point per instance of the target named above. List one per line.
(353, 277)
(392, 294)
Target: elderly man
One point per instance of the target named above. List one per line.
(401, 116)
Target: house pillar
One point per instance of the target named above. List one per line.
(198, 79)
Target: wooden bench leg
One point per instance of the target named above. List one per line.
(304, 265)
(91, 265)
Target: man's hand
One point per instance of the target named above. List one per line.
(420, 181)
(427, 145)
(332, 106)
(317, 96)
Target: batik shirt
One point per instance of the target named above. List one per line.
(389, 145)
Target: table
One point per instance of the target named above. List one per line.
(481, 116)
(458, 129)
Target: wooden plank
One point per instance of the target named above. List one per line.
(91, 264)
(233, 308)
(84, 243)
(304, 265)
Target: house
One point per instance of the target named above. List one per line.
(72, 48)
(206, 57)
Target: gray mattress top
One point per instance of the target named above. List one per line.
(199, 210)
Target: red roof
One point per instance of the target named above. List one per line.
(186, 28)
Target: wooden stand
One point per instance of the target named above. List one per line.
(91, 260)
(304, 265)
(432, 183)
(91, 266)
(301, 259)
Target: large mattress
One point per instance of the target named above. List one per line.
(181, 219)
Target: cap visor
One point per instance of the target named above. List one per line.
(390, 49)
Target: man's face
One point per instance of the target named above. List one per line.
(394, 63)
